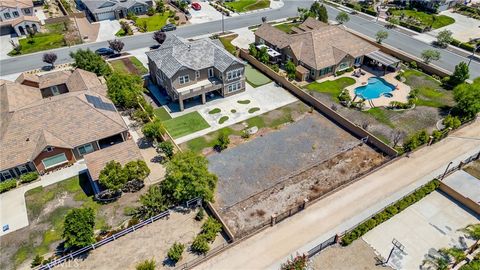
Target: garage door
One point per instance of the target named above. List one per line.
(106, 16)
(6, 30)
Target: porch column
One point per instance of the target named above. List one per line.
(180, 103)
(204, 98)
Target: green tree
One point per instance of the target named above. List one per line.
(200, 244)
(113, 177)
(381, 36)
(290, 68)
(160, 6)
(451, 122)
(444, 38)
(429, 55)
(460, 75)
(187, 177)
(78, 228)
(467, 97)
(136, 170)
(146, 265)
(167, 148)
(342, 17)
(319, 12)
(222, 142)
(253, 50)
(175, 252)
(90, 61)
(125, 90)
(263, 56)
(154, 130)
(37, 260)
(153, 202)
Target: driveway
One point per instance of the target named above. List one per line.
(12, 203)
(5, 46)
(107, 30)
(266, 98)
(244, 39)
(431, 224)
(345, 208)
(463, 29)
(206, 14)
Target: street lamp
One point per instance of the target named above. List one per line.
(473, 54)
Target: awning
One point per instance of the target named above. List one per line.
(383, 58)
(271, 52)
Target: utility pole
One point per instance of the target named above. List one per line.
(473, 54)
(223, 24)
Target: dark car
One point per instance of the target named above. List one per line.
(104, 51)
(169, 27)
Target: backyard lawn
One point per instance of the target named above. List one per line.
(162, 114)
(430, 91)
(154, 22)
(129, 65)
(227, 43)
(247, 5)
(333, 88)
(436, 21)
(185, 124)
(287, 27)
(255, 78)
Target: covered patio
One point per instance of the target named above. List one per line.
(379, 63)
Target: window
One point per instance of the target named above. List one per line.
(15, 14)
(312, 72)
(138, 10)
(183, 79)
(54, 161)
(49, 149)
(26, 11)
(55, 90)
(197, 74)
(6, 175)
(23, 169)
(234, 87)
(234, 74)
(85, 149)
(358, 60)
(210, 72)
(6, 15)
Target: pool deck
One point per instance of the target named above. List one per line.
(399, 94)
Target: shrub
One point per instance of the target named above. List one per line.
(37, 260)
(437, 135)
(175, 252)
(146, 265)
(451, 122)
(7, 185)
(299, 262)
(167, 148)
(29, 177)
(200, 214)
(222, 141)
(151, 11)
(275, 68)
(154, 130)
(211, 228)
(200, 244)
(141, 115)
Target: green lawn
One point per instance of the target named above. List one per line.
(334, 88)
(227, 43)
(254, 77)
(436, 21)
(154, 22)
(430, 91)
(162, 114)
(380, 115)
(185, 124)
(287, 27)
(247, 5)
(209, 140)
(121, 66)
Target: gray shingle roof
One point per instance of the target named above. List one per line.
(96, 6)
(176, 53)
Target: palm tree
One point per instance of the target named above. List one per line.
(473, 232)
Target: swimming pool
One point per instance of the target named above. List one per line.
(375, 88)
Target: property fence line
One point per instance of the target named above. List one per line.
(102, 242)
(318, 248)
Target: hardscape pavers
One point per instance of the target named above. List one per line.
(265, 161)
(430, 224)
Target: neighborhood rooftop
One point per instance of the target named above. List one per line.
(110, 5)
(176, 53)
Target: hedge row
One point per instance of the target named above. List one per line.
(362, 9)
(12, 183)
(389, 212)
(7, 185)
(463, 45)
(413, 27)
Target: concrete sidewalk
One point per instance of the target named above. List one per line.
(347, 207)
(12, 203)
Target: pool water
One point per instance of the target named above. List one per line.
(375, 88)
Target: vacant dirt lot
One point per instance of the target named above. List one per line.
(151, 241)
(359, 255)
(277, 171)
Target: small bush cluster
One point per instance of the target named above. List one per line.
(209, 232)
(389, 212)
(28, 177)
(7, 185)
(176, 251)
(12, 183)
(298, 263)
(417, 139)
(338, 73)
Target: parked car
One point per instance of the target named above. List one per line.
(104, 51)
(196, 6)
(169, 27)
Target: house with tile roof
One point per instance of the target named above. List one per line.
(53, 120)
(100, 10)
(19, 16)
(192, 69)
(319, 48)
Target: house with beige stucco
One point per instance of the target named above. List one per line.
(193, 69)
(19, 16)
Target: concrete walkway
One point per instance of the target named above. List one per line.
(345, 208)
(12, 203)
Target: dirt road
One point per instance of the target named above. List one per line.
(338, 212)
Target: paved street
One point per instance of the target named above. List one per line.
(347, 207)
(362, 24)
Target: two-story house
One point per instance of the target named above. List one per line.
(19, 15)
(53, 120)
(100, 10)
(190, 69)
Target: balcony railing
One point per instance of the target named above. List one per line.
(200, 87)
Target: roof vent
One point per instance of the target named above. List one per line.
(189, 47)
(28, 139)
